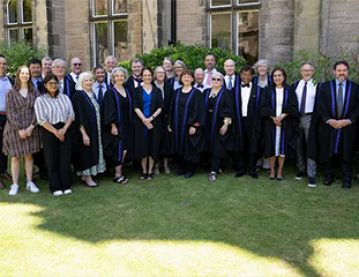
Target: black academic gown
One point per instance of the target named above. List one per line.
(85, 115)
(130, 85)
(217, 109)
(254, 118)
(189, 147)
(255, 80)
(337, 141)
(118, 110)
(147, 142)
(290, 124)
(69, 86)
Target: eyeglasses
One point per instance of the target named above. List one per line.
(77, 64)
(217, 79)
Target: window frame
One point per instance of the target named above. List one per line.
(210, 25)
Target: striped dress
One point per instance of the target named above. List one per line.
(20, 115)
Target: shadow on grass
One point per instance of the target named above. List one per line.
(269, 218)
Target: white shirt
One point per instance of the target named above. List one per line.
(208, 77)
(96, 87)
(5, 87)
(74, 76)
(201, 89)
(245, 94)
(311, 92)
(226, 78)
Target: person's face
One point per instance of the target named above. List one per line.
(167, 65)
(110, 64)
(52, 86)
(307, 72)
(161, 74)
(262, 70)
(136, 68)
(35, 70)
(76, 66)
(100, 75)
(119, 78)
(246, 77)
(229, 68)
(147, 77)
(341, 72)
(24, 75)
(178, 69)
(187, 79)
(278, 78)
(210, 62)
(87, 83)
(199, 76)
(217, 82)
(46, 67)
(3, 66)
(59, 70)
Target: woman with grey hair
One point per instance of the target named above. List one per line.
(117, 117)
(219, 113)
(174, 82)
(88, 151)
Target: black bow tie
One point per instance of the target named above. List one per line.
(137, 80)
(245, 85)
(200, 86)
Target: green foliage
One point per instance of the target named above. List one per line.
(191, 55)
(18, 54)
(323, 65)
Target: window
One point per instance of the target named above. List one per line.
(18, 23)
(108, 30)
(234, 24)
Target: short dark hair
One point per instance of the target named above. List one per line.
(247, 68)
(186, 72)
(48, 78)
(211, 54)
(342, 62)
(146, 68)
(281, 70)
(137, 61)
(35, 61)
(97, 67)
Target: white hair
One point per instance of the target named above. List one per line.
(119, 69)
(261, 62)
(82, 76)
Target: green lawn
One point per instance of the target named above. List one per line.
(172, 226)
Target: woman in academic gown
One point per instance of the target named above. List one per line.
(219, 112)
(117, 118)
(88, 151)
(166, 92)
(281, 119)
(148, 105)
(174, 83)
(186, 123)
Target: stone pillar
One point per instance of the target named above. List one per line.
(2, 19)
(149, 17)
(134, 9)
(40, 20)
(307, 25)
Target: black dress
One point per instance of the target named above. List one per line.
(187, 110)
(147, 142)
(118, 110)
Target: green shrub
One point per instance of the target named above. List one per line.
(18, 54)
(323, 65)
(191, 55)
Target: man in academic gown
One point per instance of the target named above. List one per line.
(35, 68)
(247, 98)
(135, 79)
(210, 62)
(230, 77)
(338, 109)
(110, 64)
(72, 77)
(198, 79)
(100, 87)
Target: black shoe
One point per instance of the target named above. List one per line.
(300, 175)
(347, 186)
(180, 172)
(311, 182)
(328, 182)
(254, 175)
(143, 176)
(188, 174)
(150, 176)
(239, 174)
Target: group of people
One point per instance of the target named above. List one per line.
(91, 122)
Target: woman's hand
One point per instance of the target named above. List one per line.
(23, 134)
(29, 130)
(114, 130)
(86, 140)
(169, 128)
(191, 131)
(223, 130)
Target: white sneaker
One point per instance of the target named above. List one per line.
(57, 193)
(67, 191)
(30, 186)
(14, 189)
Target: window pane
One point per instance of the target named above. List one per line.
(100, 7)
(248, 35)
(28, 35)
(101, 41)
(13, 36)
(26, 11)
(221, 31)
(247, 1)
(119, 6)
(12, 11)
(215, 3)
(121, 43)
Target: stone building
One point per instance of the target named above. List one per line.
(92, 29)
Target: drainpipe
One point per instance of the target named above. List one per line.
(173, 23)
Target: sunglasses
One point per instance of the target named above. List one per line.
(77, 64)
(217, 79)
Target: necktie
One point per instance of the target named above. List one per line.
(99, 95)
(340, 102)
(209, 79)
(229, 87)
(200, 86)
(77, 77)
(303, 100)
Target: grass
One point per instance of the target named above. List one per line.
(172, 226)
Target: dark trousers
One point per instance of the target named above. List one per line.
(185, 166)
(246, 161)
(3, 158)
(57, 156)
(329, 169)
(216, 164)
